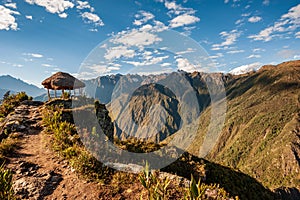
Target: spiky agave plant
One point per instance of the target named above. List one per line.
(157, 188)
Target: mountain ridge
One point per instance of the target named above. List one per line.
(261, 132)
(10, 83)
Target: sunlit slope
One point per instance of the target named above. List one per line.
(261, 134)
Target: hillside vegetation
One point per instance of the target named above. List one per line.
(66, 141)
(261, 135)
(256, 156)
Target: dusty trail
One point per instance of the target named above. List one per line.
(39, 172)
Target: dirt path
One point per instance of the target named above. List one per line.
(39, 172)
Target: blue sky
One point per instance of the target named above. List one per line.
(41, 37)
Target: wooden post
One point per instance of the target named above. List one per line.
(48, 94)
(55, 93)
(62, 95)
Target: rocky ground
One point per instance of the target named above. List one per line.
(38, 172)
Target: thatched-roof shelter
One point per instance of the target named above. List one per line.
(62, 81)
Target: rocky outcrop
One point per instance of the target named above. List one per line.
(31, 184)
(23, 120)
(154, 107)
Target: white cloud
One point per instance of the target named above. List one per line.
(92, 18)
(229, 37)
(239, 21)
(297, 35)
(177, 9)
(246, 14)
(113, 68)
(46, 65)
(143, 17)
(188, 30)
(266, 2)
(254, 56)
(100, 69)
(63, 15)
(89, 16)
(28, 59)
(254, 19)
(286, 53)
(166, 64)
(288, 22)
(33, 55)
(152, 61)
(93, 30)
(95, 70)
(136, 37)
(11, 5)
(159, 26)
(297, 57)
(246, 68)
(12, 64)
(216, 48)
(84, 5)
(17, 65)
(172, 5)
(28, 17)
(235, 3)
(115, 65)
(183, 20)
(218, 55)
(264, 35)
(185, 65)
(188, 50)
(7, 19)
(118, 52)
(53, 6)
(181, 16)
(235, 51)
(146, 27)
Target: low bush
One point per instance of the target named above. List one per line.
(6, 189)
(10, 101)
(66, 142)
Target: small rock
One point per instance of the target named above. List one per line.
(56, 178)
(17, 135)
(21, 128)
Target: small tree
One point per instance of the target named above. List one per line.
(6, 95)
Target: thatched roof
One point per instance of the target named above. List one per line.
(62, 81)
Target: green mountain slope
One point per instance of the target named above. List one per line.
(261, 135)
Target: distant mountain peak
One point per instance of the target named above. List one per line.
(8, 82)
(246, 69)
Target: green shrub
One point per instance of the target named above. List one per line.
(66, 95)
(157, 188)
(66, 141)
(198, 191)
(137, 146)
(10, 102)
(6, 189)
(7, 146)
